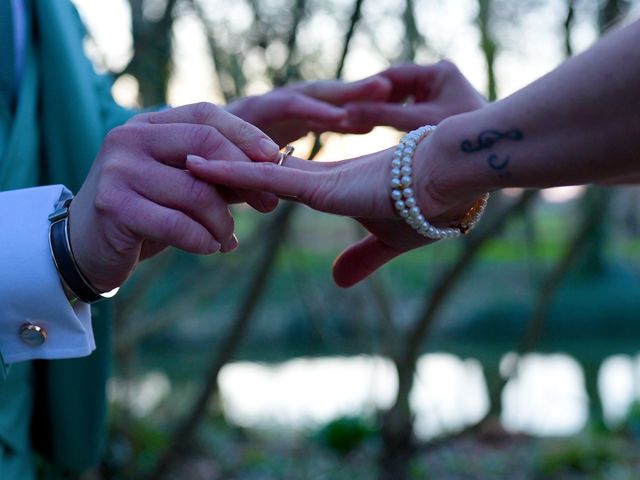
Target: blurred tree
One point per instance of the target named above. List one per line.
(595, 201)
(488, 45)
(151, 64)
(275, 231)
(271, 40)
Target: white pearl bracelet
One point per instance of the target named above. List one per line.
(404, 199)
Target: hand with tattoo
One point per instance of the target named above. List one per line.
(576, 125)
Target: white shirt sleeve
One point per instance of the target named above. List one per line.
(30, 289)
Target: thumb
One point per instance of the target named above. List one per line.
(361, 259)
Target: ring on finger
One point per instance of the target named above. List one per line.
(285, 153)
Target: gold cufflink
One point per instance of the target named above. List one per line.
(33, 335)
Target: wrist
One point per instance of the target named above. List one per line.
(85, 256)
(74, 283)
(459, 221)
(447, 183)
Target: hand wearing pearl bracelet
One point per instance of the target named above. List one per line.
(405, 202)
(550, 133)
(359, 188)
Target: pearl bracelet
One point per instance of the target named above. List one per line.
(404, 199)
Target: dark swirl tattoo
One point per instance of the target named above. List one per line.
(488, 138)
(496, 164)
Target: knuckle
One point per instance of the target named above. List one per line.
(112, 138)
(316, 196)
(124, 136)
(201, 193)
(289, 104)
(172, 226)
(361, 115)
(203, 112)
(265, 170)
(325, 194)
(111, 202)
(196, 239)
(113, 197)
(247, 133)
(202, 138)
(140, 118)
(112, 171)
(447, 67)
(252, 102)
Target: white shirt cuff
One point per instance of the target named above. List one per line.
(30, 289)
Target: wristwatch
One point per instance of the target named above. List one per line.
(75, 285)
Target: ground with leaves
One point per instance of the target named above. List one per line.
(347, 449)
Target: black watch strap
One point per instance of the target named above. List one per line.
(63, 257)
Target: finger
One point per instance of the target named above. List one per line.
(345, 126)
(268, 201)
(392, 114)
(306, 165)
(282, 181)
(410, 80)
(361, 259)
(196, 198)
(170, 227)
(171, 143)
(339, 93)
(248, 138)
(307, 108)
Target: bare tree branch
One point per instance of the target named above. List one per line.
(489, 46)
(151, 63)
(275, 231)
(397, 428)
(184, 432)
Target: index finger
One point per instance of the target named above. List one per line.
(250, 139)
(338, 92)
(293, 183)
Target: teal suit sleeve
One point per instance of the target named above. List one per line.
(77, 110)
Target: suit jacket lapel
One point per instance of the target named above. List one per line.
(19, 160)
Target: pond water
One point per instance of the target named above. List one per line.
(547, 397)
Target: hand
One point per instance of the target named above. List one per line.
(357, 188)
(138, 198)
(290, 112)
(420, 95)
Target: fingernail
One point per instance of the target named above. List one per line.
(214, 246)
(195, 159)
(233, 244)
(268, 148)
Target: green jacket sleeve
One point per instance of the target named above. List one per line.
(77, 110)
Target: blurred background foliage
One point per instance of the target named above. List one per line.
(539, 277)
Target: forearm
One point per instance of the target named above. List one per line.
(578, 124)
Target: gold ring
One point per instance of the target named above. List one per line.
(285, 153)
